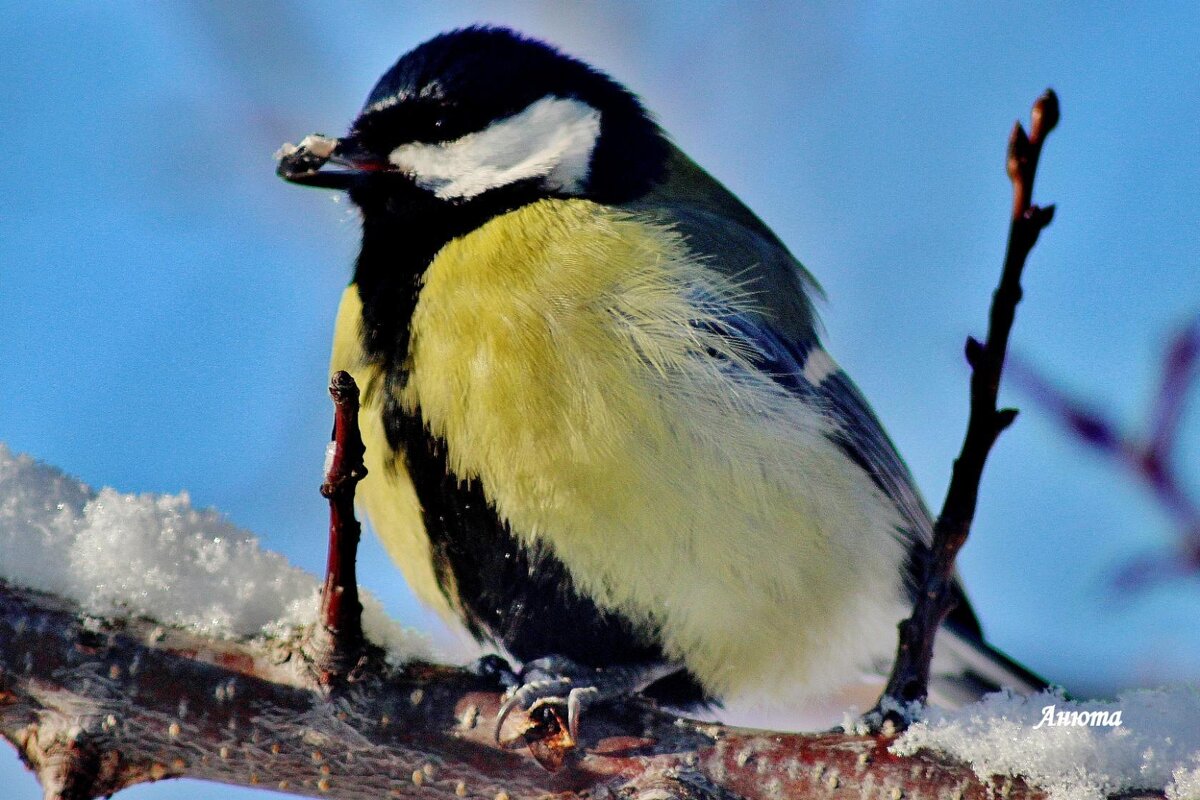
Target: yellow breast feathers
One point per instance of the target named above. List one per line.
(574, 359)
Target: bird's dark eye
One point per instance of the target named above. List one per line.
(411, 121)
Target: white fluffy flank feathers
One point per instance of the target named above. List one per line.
(552, 139)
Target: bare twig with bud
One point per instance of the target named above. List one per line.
(337, 648)
(909, 681)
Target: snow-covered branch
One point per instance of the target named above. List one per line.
(95, 706)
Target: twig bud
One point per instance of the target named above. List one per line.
(1040, 215)
(342, 387)
(974, 352)
(1018, 152)
(1044, 117)
(1092, 428)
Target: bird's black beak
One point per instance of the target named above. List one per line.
(306, 163)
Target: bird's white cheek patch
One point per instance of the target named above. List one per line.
(552, 139)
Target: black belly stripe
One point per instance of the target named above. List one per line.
(514, 596)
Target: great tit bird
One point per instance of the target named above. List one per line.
(601, 429)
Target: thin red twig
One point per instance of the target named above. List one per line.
(338, 645)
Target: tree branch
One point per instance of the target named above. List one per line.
(95, 706)
(909, 681)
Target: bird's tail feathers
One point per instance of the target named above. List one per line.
(965, 668)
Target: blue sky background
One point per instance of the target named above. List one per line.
(166, 302)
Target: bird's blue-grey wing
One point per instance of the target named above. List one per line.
(782, 336)
(808, 372)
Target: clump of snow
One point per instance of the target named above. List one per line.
(155, 556)
(1185, 784)
(1155, 746)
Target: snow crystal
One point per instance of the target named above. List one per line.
(1155, 746)
(1185, 784)
(155, 556)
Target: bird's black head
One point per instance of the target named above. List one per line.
(486, 114)
(468, 126)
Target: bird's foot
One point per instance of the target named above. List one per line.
(555, 684)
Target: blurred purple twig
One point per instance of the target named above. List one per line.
(1149, 457)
